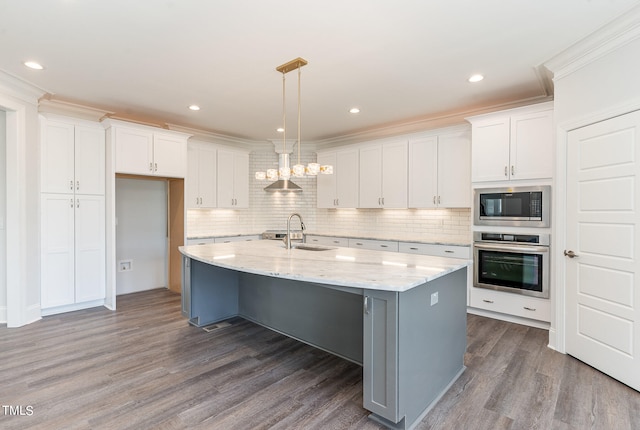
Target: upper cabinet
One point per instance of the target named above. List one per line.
(513, 145)
(143, 150)
(73, 158)
(201, 186)
(383, 175)
(233, 179)
(339, 190)
(440, 171)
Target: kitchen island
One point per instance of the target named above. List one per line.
(401, 316)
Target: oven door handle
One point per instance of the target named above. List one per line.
(517, 248)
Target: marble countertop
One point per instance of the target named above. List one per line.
(348, 267)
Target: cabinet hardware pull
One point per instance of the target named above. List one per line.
(156, 167)
(448, 251)
(513, 171)
(384, 246)
(383, 201)
(379, 199)
(506, 172)
(151, 167)
(358, 243)
(71, 203)
(438, 199)
(77, 203)
(487, 301)
(570, 254)
(366, 305)
(71, 185)
(413, 249)
(434, 200)
(336, 241)
(337, 202)
(77, 185)
(530, 309)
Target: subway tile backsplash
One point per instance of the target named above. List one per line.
(269, 211)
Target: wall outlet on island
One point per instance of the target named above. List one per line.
(434, 298)
(127, 266)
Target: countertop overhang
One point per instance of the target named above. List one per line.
(347, 267)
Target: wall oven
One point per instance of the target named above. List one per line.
(516, 263)
(518, 207)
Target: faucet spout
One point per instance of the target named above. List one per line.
(302, 226)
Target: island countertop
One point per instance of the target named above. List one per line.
(347, 267)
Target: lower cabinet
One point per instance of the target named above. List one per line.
(375, 245)
(73, 268)
(328, 240)
(510, 304)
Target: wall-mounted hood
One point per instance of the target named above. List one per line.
(282, 184)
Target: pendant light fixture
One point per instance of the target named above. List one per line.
(284, 172)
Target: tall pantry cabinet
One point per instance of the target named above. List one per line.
(72, 214)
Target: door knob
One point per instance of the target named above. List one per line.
(570, 254)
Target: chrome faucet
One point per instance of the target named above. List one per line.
(287, 239)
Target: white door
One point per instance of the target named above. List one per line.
(346, 178)
(531, 149)
(370, 172)
(454, 171)
(241, 181)
(603, 214)
(225, 173)
(169, 156)
(207, 177)
(57, 172)
(423, 173)
(490, 150)
(134, 151)
(89, 160)
(395, 178)
(90, 271)
(192, 191)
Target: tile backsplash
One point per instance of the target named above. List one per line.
(269, 211)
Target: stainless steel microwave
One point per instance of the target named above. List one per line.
(516, 206)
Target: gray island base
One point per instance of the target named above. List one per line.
(401, 317)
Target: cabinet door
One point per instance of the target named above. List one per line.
(423, 173)
(192, 192)
(532, 155)
(394, 175)
(134, 151)
(370, 177)
(454, 171)
(207, 177)
(490, 150)
(326, 186)
(169, 155)
(90, 272)
(380, 353)
(346, 177)
(57, 157)
(89, 160)
(57, 250)
(225, 173)
(241, 181)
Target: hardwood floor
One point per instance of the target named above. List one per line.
(144, 367)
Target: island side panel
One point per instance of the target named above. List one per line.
(323, 316)
(432, 342)
(213, 293)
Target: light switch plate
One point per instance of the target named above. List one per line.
(434, 298)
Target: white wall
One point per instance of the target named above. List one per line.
(141, 234)
(271, 210)
(3, 207)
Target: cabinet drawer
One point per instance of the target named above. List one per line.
(376, 245)
(200, 241)
(511, 304)
(328, 240)
(453, 251)
(229, 239)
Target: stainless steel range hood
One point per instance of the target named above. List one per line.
(281, 184)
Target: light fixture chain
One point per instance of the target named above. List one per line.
(299, 142)
(284, 115)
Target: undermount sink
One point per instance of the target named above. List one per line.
(306, 247)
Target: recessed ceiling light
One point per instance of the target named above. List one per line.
(354, 110)
(33, 65)
(194, 107)
(280, 130)
(475, 78)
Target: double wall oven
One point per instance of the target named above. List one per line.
(516, 260)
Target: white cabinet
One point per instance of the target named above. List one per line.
(373, 244)
(201, 186)
(233, 179)
(328, 240)
(511, 304)
(73, 158)
(513, 145)
(339, 190)
(242, 238)
(451, 251)
(383, 175)
(73, 227)
(440, 171)
(142, 150)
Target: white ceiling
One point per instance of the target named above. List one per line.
(398, 61)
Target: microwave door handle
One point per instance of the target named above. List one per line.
(518, 248)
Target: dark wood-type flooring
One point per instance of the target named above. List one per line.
(144, 367)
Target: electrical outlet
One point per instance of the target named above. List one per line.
(125, 265)
(434, 298)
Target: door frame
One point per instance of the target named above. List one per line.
(557, 332)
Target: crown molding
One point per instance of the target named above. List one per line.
(611, 36)
(19, 88)
(47, 104)
(209, 136)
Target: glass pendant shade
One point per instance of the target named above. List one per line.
(298, 170)
(313, 169)
(261, 176)
(272, 174)
(327, 170)
(284, 173)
